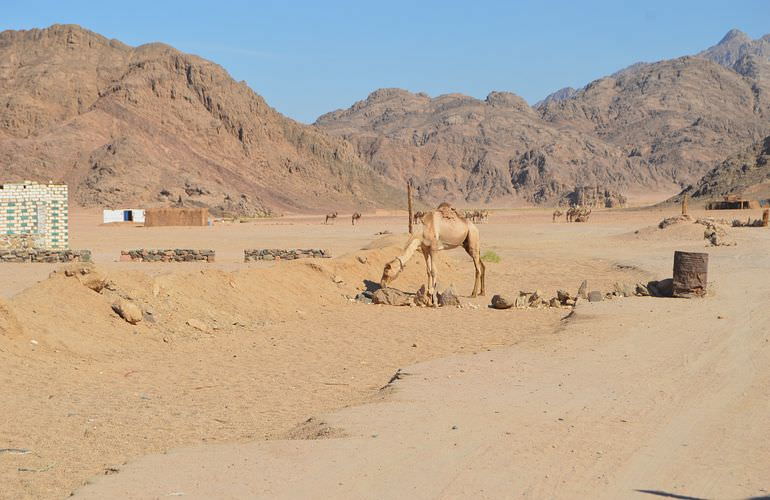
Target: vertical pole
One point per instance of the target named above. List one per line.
(766, 217)
(684, 204)
(409, 201)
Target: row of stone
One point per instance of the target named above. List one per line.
(37, 255)
(168, 255)
(284, 254)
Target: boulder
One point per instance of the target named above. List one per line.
(448, 298)
(623, 289)
(392, 297)
(595, 296)
(127, 310)
(563, 296)
(641, 290)
(501, 302)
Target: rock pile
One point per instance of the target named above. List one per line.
(40, 255)
(169, 255)
(716, 232)
(394, 297)
(284, 254)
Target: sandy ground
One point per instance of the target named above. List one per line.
(618, 397)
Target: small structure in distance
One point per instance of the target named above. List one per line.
(123, 215)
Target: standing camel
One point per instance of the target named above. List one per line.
(556, 214)
(355, 217)
(442, 229)
(331, 216)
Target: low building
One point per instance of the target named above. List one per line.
(35, 213)
(123, 215)
(176, 217)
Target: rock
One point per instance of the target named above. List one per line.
(623, 289)
(448, 298)
(198, 325)
(595, 296)
(128, 311)
(536, 298)
(392, 297)
(583, 290)
(663, 288)
(641, 290)
(522, 301)
(501, 302)
(563, 296)
(570, 302)
(337, 279)
(362, 259)
(554, 302)
(422, 298)
(361, 297)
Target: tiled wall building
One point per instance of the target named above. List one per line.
(37, 210)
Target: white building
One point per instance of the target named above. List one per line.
(123, 215)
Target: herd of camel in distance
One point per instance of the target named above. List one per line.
(573, 214)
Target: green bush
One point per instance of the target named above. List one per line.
(490, 256)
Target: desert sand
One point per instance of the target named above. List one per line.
(288, 389)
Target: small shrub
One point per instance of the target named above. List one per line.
(490, 256)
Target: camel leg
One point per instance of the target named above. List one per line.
(430, 263)
(472, 248)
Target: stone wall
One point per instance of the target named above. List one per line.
(282, 254)
(39, 255)
(168, 255)
(40, 210)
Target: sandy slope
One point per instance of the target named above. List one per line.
(631, 395)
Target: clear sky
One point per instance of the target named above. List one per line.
(310, 57)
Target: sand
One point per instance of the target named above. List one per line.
(625, 395)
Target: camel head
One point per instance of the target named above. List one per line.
(391, 272)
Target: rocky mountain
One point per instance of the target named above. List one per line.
(648, 127)
(151, 125)
(470, 151)
(745, 174)
(679, 116)
(737, 51)
(559, 95)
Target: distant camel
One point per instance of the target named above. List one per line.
(355, 217)
(556, 214)
(417, 217)
(331, 216)
(442, 229)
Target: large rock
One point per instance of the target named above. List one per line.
(127, 310)
(392, 297)
(448, 298)
(502, 302)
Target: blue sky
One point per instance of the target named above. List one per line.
(307, 58)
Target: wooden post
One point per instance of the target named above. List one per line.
(690, 274)
(409, 201)
(766, 217)
(684, 204)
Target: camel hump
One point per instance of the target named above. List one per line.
(447, 212)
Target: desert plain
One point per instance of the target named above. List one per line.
(267, 380)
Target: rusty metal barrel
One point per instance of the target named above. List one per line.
(690, 274)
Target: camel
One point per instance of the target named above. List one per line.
(442, 229)
(556, 214)
(331, 216)
(417, 217)
(355, 217)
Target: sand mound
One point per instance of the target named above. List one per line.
(9, 325)
(67, 312)
(681, 228)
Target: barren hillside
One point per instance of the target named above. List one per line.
(150, 124)
(744, 174)
(495, 150)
